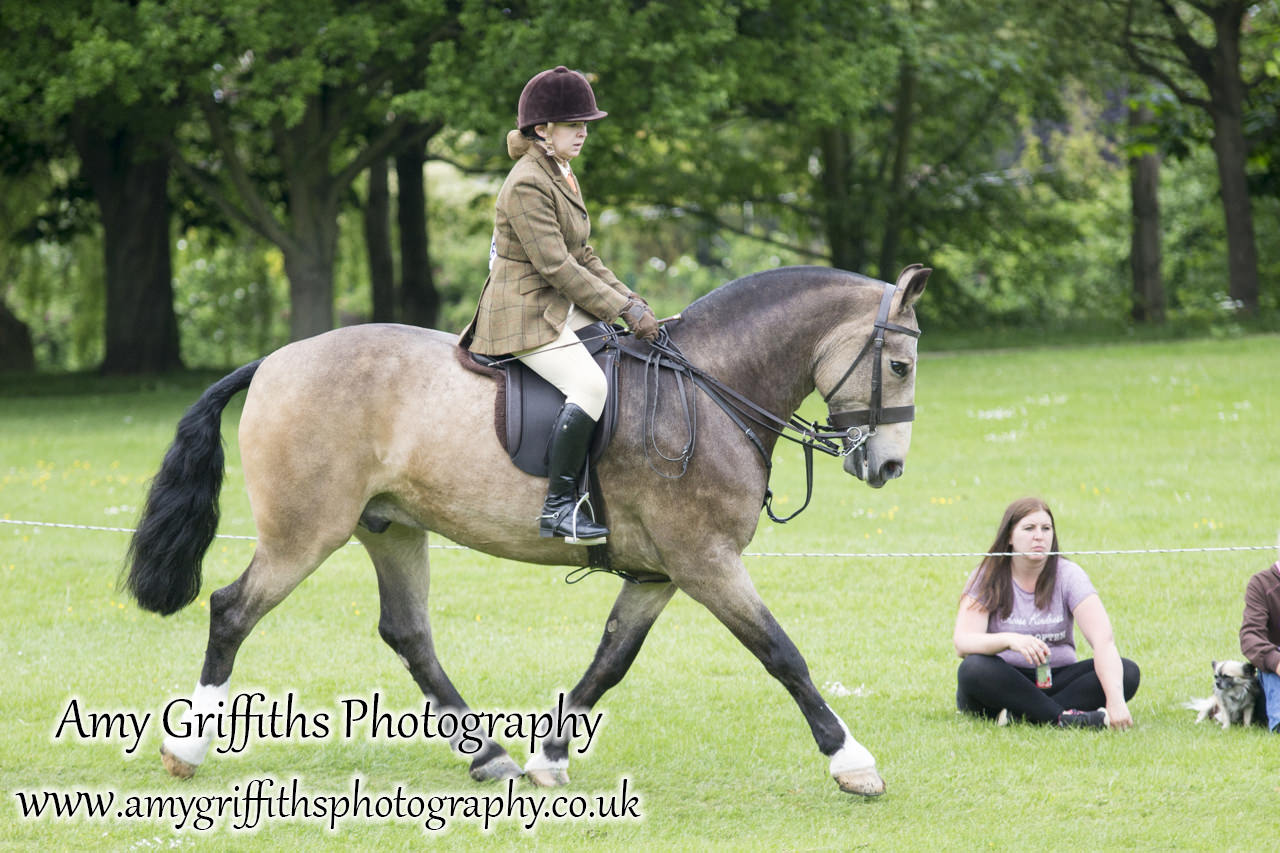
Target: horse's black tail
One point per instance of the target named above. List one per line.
(181, 514)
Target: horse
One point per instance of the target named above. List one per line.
(374, 422)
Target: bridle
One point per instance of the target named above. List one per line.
(845, 434)
(875, 414)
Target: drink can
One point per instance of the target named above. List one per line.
(1044, 676)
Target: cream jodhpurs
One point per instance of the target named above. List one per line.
(567, 365)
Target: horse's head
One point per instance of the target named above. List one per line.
(866, 371)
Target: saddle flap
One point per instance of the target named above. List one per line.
(532, 404)
(527, 404)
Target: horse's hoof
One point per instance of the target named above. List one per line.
(548, 777)
(497, 770)
(176, 766)
(865, 783)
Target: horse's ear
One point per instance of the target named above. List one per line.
(911, 282)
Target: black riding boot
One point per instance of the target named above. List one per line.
(570, 441)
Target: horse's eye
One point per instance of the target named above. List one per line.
(899, 368)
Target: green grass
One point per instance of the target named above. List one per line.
(1135, 446)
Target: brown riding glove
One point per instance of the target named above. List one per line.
(640, 318)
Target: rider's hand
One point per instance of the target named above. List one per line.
(640, 318)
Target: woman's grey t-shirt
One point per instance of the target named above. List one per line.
(1054, 625)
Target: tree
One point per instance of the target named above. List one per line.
(129, 174)
(419, 301)
(295, 87)
(1195, 49)
(16, 352)
(85, 76)
(1144, 255)
(864, 137)
(377, 239)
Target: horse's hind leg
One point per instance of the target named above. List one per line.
(733, 599)
(400, 557)
(633, 614)
(275, 570)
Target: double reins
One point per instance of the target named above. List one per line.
(845, 434)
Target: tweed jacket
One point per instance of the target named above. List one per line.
(543, 263)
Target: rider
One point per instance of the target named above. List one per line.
(545, 283)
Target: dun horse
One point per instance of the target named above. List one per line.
(384, 422)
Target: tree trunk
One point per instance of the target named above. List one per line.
(1144, 253)
(1227, 109)
(313, 230)
(895, 193)
(131, 188)
(310, 292)
(377, 238)
(419, 301)
(16, 352)
(1218, 67)
(844, 239)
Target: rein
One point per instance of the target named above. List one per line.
(846, 434)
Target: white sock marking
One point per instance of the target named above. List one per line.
(852, 756)
(206, 699)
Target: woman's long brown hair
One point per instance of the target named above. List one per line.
(994, 579)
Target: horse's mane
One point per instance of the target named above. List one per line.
(761, 289)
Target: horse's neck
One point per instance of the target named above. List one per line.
(768, 351)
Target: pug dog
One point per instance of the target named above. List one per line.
(1236, 695)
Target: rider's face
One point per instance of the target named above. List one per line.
(566, 138)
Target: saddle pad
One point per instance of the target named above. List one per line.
(527, 404)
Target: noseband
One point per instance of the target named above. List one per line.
(846, 434)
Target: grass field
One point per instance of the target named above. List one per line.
(1137, 446)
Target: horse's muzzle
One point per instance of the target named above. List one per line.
(858, 463)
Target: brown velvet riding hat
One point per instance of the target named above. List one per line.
(557, 94)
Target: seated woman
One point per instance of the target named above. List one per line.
(1016, 632)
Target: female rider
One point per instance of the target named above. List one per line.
(545, 283)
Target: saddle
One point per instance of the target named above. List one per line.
(527, 405)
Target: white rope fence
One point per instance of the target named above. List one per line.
(814, 554)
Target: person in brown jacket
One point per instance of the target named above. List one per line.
(1260, 636)
(545, 283)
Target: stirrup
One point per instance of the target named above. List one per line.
(553, 525)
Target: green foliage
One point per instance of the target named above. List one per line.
(1063, 260)
(57, 289)
(231, 299)
(727, 118)
(460, 220)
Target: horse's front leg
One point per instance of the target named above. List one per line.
(633, 614)
(732, 598)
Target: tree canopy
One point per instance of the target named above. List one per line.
(988, 138)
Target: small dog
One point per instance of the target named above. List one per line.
(1237, 697)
